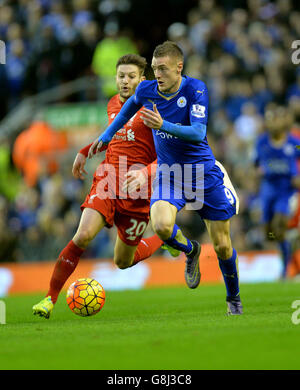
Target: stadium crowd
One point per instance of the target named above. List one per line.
(241, 49)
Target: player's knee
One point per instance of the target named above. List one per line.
(223, 249)
(83, 237)
(163, 230)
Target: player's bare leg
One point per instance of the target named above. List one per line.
(129, 255)
(91, 223)
(163, 216)
(219, 233)
(123, 254)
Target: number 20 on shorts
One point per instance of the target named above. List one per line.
(136, 229)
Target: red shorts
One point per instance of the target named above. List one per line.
(130, 216)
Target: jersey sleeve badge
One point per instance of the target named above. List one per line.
(198, 111)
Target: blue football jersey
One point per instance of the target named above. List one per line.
(189, 104)
(278, 163)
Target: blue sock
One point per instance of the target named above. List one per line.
(230, 274)
(186, 248)
(285, 248)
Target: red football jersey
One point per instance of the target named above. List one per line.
(134, 140)
(131, 145)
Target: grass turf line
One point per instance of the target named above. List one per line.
(162, 328)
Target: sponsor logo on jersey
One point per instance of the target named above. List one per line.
(164, 135)
(278, 166)
(198, 111)
(130, 135)
(288, 150)
(181, 102)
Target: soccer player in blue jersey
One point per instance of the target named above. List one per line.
(276, 155)
(176, 108)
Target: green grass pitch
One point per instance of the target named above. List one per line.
(161, 328)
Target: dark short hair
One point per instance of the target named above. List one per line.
(133, 59)
(168, 48)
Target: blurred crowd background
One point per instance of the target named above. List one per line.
(241, 49)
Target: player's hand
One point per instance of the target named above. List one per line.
(135, 179)
(151, 118)
(78, 166)
(95, 148)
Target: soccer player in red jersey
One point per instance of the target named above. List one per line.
(107, 203)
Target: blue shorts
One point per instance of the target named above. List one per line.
(273, 203)
(211, 195)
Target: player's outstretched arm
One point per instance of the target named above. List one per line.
(85, 150)
(80, 161)
(78, 166)
(129, 108)
(95, 148)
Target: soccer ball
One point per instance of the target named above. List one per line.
(85, 297)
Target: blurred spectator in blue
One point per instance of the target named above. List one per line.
(249, 124)
(30, 15)
(82, 15)
(16, 65)
(238, 93)
(15, 32)
(6, 18)
(77, 56)
(199, 30)
(177, 32)
(54, 18)
(26, 208)
(3, 91)
(261, 94)
(229, 41)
